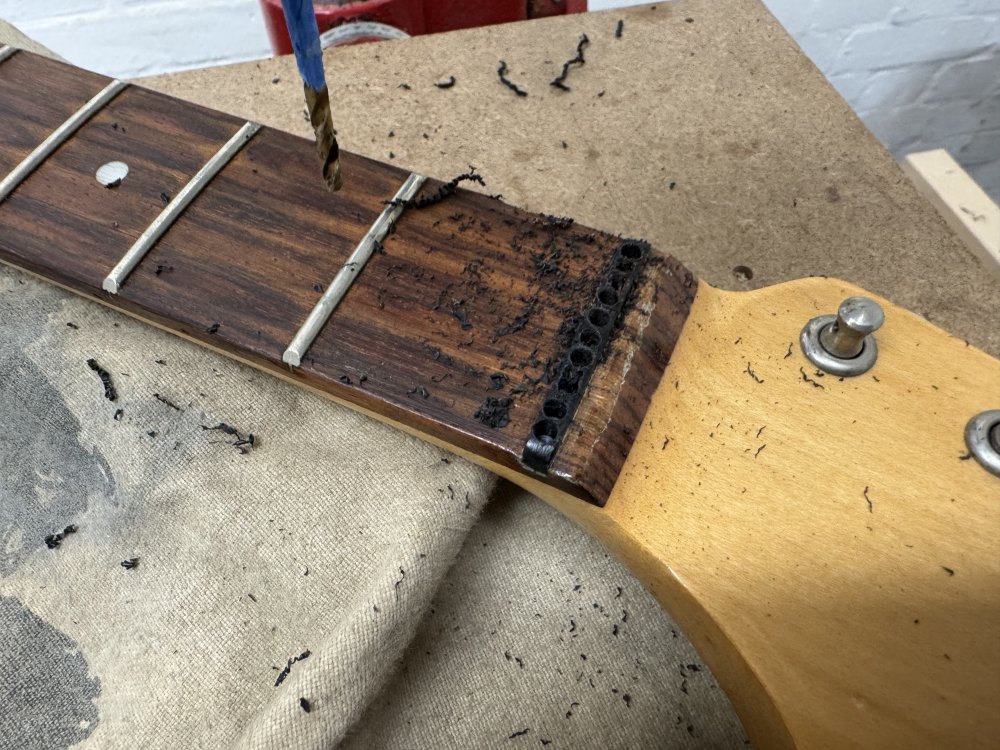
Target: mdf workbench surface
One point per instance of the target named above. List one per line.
(703, 129)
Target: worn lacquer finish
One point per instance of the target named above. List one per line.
(825, 542)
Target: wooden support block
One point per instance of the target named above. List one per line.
(960, 201)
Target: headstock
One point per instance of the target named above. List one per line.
(827, 542)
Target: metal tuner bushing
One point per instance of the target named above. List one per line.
(982, 436)
(844, 344)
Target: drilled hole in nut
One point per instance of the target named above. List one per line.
(743, 273)
(617, 281)
(599, 317)
(608, 296)
(545, 430)
(554, 409)
(625, 266)
(631, 251)
(581, 356)
(568, 384)
(590, 337)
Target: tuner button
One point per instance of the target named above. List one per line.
(844, 344)
(857, 318)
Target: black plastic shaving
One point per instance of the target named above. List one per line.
(460, 315)
(447, 83)
(397, 584)
(223, 427)
(54, 540)
(441, 193)
(245, 445)
(288, 667)
(167, 402)
(105, 376)
(619, 28)
(242, 444)
(494, 412)
(749, 371)
(305, 705)
(502, 72)
(131, 564)
(559, 81)
(809, 380)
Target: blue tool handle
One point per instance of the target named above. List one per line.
(300, 17)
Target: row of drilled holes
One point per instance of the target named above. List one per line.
(586, 347)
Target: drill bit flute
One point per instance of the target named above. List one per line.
(301, 21)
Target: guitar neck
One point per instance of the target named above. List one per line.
(526, 340)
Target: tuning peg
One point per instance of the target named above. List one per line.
(982, 436)
(844, 344)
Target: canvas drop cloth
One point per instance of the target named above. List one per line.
(428, 622)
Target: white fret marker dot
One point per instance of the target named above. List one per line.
(111, 174)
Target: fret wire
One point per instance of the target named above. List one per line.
(349, 272)
(33, 160)
(6, 51)
(114, 280)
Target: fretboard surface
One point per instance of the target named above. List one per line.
(457, 329)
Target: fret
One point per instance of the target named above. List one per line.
(61, 222)
(457, 328)
(58, 137)
(349, 271)
(54, 93)
(6, 51)
(113, 281)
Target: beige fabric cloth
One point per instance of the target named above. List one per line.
(332, 536)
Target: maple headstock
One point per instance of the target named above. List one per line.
(827, 542)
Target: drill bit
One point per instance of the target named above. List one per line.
(301, 21)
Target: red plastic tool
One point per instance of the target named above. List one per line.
(365, 20)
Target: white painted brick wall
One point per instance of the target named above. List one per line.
(921, 74)
(132, 38)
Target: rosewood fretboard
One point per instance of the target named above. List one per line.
(528, 340)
